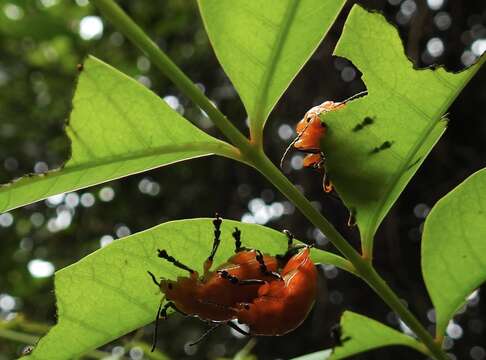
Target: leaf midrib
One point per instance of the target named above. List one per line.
(261, 98)
(210, 147)
(368, 239)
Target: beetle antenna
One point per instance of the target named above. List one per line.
(355, 96)
(287, 150)
(203, 336)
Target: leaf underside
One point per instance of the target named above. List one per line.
(370, 165)
(454, 247)
(262, 45)
(117, 128)
(360, 334)
(108, 293)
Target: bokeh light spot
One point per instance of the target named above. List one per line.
(90, 27)
(143, 64)
(454, 330)
(6, 220)
(7, 303)
(297, 162)
(435, 47)
(478, 47)
(48, 3)
(118, 351)
(107, 194)
(13, 12)
(348, 74)
(87, 199)
(285, 132)
(408, 8)
(106, 240)
(442, 20)
(435, 4)
(40, 167)
(136, 353)
(40, 268)
(477, 353)
(72, 200)
(122, 230)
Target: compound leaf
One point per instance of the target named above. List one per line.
(117, 128)
(109, 293)
(454, 247)
(262, 45)
(376, 143)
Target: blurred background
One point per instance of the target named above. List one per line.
(41, 41)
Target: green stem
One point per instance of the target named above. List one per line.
(18, 336)
(254, 155)
(273, 174)
(364, 268)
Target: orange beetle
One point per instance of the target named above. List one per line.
(310, 130)
(282, 304)
(210, 296)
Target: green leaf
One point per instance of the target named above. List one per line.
(363, 334)
(108, 293)
(406, 106)
(262, 45)
(117, 128)
(454, 247)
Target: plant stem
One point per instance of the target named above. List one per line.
(363, 267)
(18, 336)
(254, 155)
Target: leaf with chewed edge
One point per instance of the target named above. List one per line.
(117, 127)
(108, 293)
(454, 247)
(360, 334)
(375, 144)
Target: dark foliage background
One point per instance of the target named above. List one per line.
(40, 45)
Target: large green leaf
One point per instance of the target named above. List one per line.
(108, 293)
(454, 247)
(361, 334)
(263, 44)
(406, 107)
(117, 128)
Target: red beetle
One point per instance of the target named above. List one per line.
(282, 304)
(211, 297)
(247, 288)
(310, 130)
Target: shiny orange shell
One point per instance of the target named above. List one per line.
(282, 305)
(211, 297)
(311, 130)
